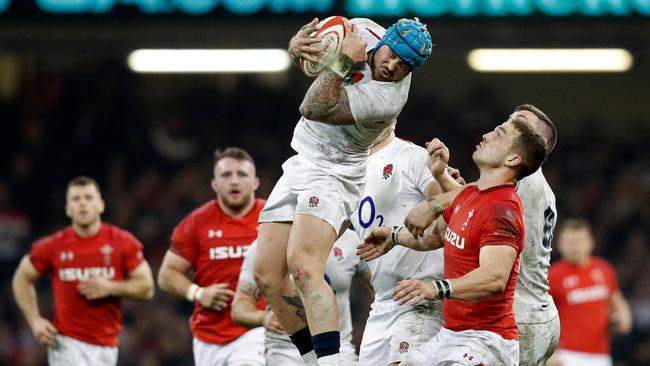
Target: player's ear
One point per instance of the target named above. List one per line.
(256, 184)
(68, 211)
(102, 205)
(513, 160)
(214, 184)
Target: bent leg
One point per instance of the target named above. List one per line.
(272, 276)
(309, 245)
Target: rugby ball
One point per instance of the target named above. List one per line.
(332, 32)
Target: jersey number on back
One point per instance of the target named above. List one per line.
(549, 215)
(367, 201)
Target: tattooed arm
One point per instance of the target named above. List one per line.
(326, 100)
(244, 306)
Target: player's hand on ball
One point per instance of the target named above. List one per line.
(271, 323)
(419, 219)
(216, 296)
(354, 46)
(302, 43)
(44, 331)
(96, 288)
(438, 157)
(412, 291)
(376, 244)
(455, 174)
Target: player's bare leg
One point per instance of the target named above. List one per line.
(309, 245)
(272, 275)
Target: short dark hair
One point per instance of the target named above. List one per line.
(550, 130)
(232, 152)
(530, 147)
(576, 223)
(82, 180)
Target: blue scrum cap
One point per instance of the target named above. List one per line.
(410, 40)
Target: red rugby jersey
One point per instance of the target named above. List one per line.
(582, 296)
(475, 219)
(215, 244)
(69, 258)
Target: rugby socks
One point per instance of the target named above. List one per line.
(327, 347)
(302, 340)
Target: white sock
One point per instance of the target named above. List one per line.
(331, 360)
(310, 358)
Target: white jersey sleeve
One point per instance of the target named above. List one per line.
(377, 101)
(533, 304)
(419, 172)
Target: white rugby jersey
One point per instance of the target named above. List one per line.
(397, 178)
(342, 264)
(373, 104)
(533, 304)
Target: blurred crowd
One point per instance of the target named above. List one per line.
(153, 159)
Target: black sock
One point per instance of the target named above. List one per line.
(327, 343)
(302, 340)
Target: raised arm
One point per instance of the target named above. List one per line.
(382, 239)
(424, 213)
(326, 100)
(25, 294)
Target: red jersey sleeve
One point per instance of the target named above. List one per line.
(131, 252)
(184, 239)
(41, 255)
(503, 225)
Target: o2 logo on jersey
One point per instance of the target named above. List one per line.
(368, 202)
(228, 252)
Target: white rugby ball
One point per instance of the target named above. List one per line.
(332, 32)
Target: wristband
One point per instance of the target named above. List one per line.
(394, 235)
(194, 292)
(444, 288)
(342, 65)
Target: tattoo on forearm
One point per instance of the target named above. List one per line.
(297, 303)
(249, 289)
(325, 96)
(435, 206)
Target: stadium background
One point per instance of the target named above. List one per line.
(69, 105)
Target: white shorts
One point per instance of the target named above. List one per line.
(573, 358)
(393, 330)
(467, 348)
(246, 350)
(537, 341)
(308, 189)
(70, 351)
(283, 352)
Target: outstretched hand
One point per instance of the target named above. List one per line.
(376, 244)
